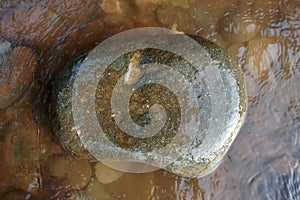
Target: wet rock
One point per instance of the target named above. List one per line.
(79, 173)
(218, 8)
(67, 136)
(146, 13)
(75, 13)
(16, 72)
(105, 174)
(165, 3)
(4, 123)
(58, 166)
(192, 20)
(45, 24)
(47, 146)
(40, 195)
(95, 31)
(118, 7)
(180, 3)
(28, 181)
(32, 24)
(14, 195)
(217, 39)
(117, 23)
(21, 154)
(86, 37)
(133, 186)
(176, 18)
(72, 146)
(118, 16)
(63, 175)
(95, 190)
(204, 21)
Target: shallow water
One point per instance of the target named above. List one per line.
(264, 36)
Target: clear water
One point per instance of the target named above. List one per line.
(264, 36)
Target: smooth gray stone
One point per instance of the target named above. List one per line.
(196, 159)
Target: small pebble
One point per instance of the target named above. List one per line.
(79, 173)
(118, 7)
(95, 190)
(146, 13)
(204, 21)
(177, 19)
(58, 166)
(105, 174)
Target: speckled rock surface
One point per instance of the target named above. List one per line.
(193, 162)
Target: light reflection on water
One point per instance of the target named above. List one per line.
(263, 162)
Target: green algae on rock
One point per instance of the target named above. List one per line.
(176, 102)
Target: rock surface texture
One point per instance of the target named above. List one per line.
(197, 117)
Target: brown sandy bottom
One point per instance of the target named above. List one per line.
(264, 37)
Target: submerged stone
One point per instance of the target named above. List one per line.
(16, 68)
(176, 102)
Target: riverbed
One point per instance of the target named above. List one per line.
(43, 35)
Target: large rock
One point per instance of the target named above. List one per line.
(177, 106)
